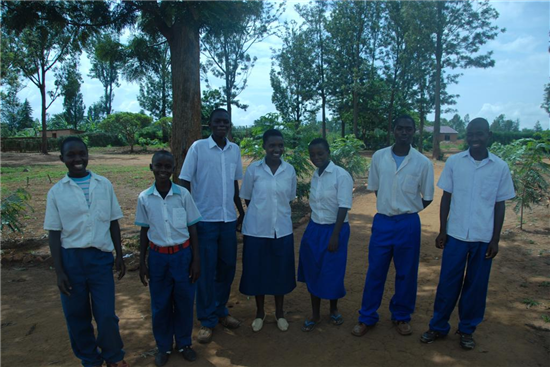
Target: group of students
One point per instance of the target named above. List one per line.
(189, 233)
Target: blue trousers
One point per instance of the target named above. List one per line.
(218, 248)
(472, 289)
(172, 298)
(396, 237)
(90, 273)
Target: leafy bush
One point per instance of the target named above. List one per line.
(127, 124)
(345, 153)
(525, 158)
(507, 137)
(13, 206)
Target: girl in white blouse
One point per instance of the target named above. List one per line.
(268, 187)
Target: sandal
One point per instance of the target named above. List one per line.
(337, 319)
(309, 325)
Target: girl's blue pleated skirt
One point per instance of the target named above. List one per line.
(268, 266)
(321, 270)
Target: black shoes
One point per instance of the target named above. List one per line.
(161, 359)
(430, 336)
(188, 353)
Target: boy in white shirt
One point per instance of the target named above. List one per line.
(82, 214)
(211, 171)
(168, 216)
(475, 184)
(403, 180)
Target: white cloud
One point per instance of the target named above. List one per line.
(525, 44)
(527, 113)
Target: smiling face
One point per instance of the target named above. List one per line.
(162, 167)
(220, 124)
(477, 135)
(403, 131)
(75, 157)
(274, 148)
(319, 155)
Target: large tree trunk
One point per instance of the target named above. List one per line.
(436, 152)
(355, 112)
(44, 144)
(186, 95)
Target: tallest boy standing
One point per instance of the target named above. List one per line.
(403, 180)
(211, 171)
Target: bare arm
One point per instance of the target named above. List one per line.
(444, 209)
(425, 203)
(55, 249)
(492, 250)
(115, 236)
(186, 184)
(239, 205)
(195, 269)
(340, 217)
(143, 244)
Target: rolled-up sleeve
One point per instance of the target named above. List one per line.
(506, 186)
(374, 179)
(446, 179)
(427, 184)
(52, 219)
(248, 183)
(345, 190)
(189, 164)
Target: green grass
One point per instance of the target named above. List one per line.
(530, 302)
(544, 284)
(546, 318)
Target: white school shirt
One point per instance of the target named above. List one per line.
(82, 226)
(330, 191)
(475, 190)
(270, 195)
(168, 219)
(401, 190)
(212, 173)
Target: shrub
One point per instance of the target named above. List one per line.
(345, 153)
(12, 208)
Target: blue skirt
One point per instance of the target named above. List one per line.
(321, 270)
(268, 266)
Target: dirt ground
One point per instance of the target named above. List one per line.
(514, 332)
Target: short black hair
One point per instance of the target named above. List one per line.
(161, 153)
(320, 141)
(271, 132)
(68, 140)
(219, 109)
(403, 117)
(480, 121)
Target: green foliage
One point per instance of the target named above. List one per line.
(530, 302)
(546, 98)
(545, 318)
(14, 205)
(127, 124)
(73, 102)
(525, 158)
(501, 123)
(507, 137)
(345, 153)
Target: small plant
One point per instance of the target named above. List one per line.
(345, 153)
(546, 318)
(523, 285)
(12, 208)
(544, 284)
(530, 302)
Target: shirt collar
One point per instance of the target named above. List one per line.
(490, 157)
(212, 143)
(66, 178)
(174, 190)
(329, 168)
(281, 168)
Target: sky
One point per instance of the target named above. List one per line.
(513, 87)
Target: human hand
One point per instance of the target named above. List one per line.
(492, 249)
(143, 273)
(63, 284)
(441, 240)
(120, 267)
(195, 271)
(333, 243)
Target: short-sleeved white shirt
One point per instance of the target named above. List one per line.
(401, 191)
(82, 226)
(330, 191)
(475, 190)
(212, 173)
(167, 218)
(268, 213)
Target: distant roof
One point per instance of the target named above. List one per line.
(442, 130)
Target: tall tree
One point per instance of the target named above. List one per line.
(295, 83)
(354, 29)
(546, 99)
(181, 24)
(149, 63)
(457, 123)
(458, 29)
(227, 46)
(315, 16)
(25, 116)
(73, 102)
(107, 56)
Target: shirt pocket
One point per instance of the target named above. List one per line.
(232, 170)
(103, 210)
(489, 190)
(411, 184)
(179, 218)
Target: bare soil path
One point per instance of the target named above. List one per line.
(513, 333)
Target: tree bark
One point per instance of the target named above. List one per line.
(436, 152)
(186, 95)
